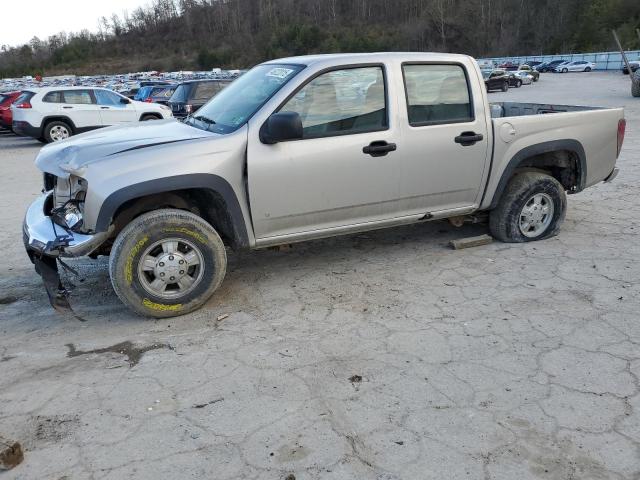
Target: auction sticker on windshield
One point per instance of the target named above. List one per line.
(280, 72)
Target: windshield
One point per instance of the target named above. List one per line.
(236, 104)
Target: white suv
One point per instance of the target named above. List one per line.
(55, 113)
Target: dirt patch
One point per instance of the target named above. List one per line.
(51, 429)
(132, 352)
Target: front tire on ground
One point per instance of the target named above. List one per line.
(167, 263)
(532, 207)
(505, 87)
(57, 131)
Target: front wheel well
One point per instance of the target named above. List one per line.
(205, 203)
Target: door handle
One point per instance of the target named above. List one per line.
(66, 106)
(468, 138)
(379, 148)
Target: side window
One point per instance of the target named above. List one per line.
(53, 97)
(78, 97)
(437, 94)
(104, 97)
(341, 102)
(205, 91)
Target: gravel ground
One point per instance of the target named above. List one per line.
(377, 356)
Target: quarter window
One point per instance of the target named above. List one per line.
(342, 102)
(78, 97)
(437, 94)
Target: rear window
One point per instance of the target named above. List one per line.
(143, 93)
(181, 94)
(24, 97)
(53, 97)
(78, 97)
(164, 93)
(205, 91)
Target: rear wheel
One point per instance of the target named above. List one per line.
(518, 83)
(532, 207)
(588, 69)
(57, 131)
(564, 70)
(505, 86)
(635, 86)
(167, 263)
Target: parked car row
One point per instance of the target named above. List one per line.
(555, 66)
(52, 114)
(499, 79)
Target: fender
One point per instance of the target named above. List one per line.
(178, 182)
(570, 145)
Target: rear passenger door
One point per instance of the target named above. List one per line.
(81, 108)
(445, 145)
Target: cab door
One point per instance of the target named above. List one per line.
(445, 143)
(332, 177)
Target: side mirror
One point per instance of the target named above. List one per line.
(125, 101)
(281, 126)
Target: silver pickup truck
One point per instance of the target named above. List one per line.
(303, 148)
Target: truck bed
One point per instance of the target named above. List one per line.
(589, 132)
(514, 109)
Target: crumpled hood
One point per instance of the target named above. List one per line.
(71, 156)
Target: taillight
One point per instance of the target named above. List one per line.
(188, 108)
(23, 105)
(622, 126)
(148, 100)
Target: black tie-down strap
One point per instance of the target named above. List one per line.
(58, 295)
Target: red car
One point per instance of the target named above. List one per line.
(6, 99)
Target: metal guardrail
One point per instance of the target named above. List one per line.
(603, 60)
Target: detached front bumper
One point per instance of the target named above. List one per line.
(43, 237)
(46, 241)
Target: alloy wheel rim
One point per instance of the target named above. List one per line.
(536, 215)
(171, 268)
(58, 133)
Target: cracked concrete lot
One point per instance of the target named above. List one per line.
(377, 356)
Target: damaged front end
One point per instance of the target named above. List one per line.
(49, 234)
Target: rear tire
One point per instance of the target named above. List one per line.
(635, 86)
(532, 207)
(588, 69)
(564, 70)
(518, 83)
(167, 263)
(57, 131)
(505, 87)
